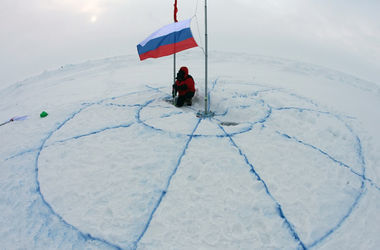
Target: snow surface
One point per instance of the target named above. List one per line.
(289, 161)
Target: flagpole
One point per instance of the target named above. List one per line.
(174, 68)
(206, 61)
(207, 112)
(174, 55)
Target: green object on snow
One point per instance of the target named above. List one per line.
(43, 114)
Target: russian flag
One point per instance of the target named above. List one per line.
(168, 40)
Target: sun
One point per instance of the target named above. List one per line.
(92, 9)
(93, 19)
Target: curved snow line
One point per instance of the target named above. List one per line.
(252, 124)
(221, 114)
(118, 105)
(317, 111)
(319, 150)
(261, 101)
(171, 114)
(268, 90)
(92, 133)
(371, 182)
(153, 88)
(362, 176)
(163, 193)
(236, 133)
(22, 153)
(86, 105)
(271, 90)
(360, 155)
(302, 98)
(278, 205)
(359, 151)
(138, 118)
(143, 122)
(359, 148)
(357, 199)
(358, 144)
(350, 210)
(280, 211)
(262, 120)
(69, 139)
(86, 236)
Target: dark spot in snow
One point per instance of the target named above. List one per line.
(229, 123)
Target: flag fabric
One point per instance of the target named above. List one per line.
(175, 11)
(168, 40)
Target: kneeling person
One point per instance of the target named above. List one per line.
(184, 86)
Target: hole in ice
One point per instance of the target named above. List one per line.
(229, 123)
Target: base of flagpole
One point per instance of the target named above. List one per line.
(204, 114)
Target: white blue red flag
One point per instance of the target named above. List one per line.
(168, 40)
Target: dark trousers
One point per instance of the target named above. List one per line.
(184, 98)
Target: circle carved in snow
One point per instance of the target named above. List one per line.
(266, 147)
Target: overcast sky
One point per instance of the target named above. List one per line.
(38, 35)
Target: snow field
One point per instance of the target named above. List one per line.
(119, 167)
(300, 196)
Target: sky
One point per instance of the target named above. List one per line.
(40, 35)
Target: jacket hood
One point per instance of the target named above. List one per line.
(186, 70)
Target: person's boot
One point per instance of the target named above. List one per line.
(188, 102)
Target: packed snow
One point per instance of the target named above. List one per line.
(290, 160)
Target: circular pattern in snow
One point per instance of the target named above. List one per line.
(165, 174)
(239, 114)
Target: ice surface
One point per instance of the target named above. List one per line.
(290, 159)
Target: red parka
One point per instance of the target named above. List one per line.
(186, 85)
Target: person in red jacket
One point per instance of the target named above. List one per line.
(184, 86)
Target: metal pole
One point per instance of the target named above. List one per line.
(206, 60)
(174, 56)
(174, 68)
